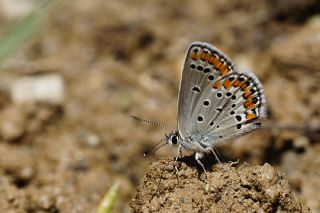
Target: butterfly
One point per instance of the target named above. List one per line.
(217, 102)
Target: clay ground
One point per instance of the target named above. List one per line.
(122, 58)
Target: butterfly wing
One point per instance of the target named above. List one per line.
(216, 101)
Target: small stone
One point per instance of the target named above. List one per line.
(47, 88)
(272, 192)
(27, 173)
(154, 205)
(300, 142)
(16, 8)
(89, 138)
(44, 201)
(12, 124)
(267, 172)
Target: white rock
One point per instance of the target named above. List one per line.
(16, 8)
(43, 88)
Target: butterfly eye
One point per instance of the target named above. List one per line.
(174, 139)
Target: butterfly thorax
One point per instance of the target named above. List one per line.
(195, 142)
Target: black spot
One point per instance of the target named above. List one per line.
(231, 78)
(254, 111)
(200, 118)
(192, 66)
(218, 126)
(219, 109)
(258, 124)
(220, 136)
(252, 90)
(229, 64)
(241, 79)
(215, 54)
(206, 103)
(200, 68)
(195, 50)
(255, 100)
(228, 94)
(238, 117)
(232, 112)
(196, 89)
(233, 105)
(211, 123)
(234, 97)
(174, 139)
(211, 77)
(219, 94)
(239, 126)
(206, 70)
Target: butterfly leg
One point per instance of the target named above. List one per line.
(217, 158)
(179, 153)
(198, 156)
(234, 162)
(177, 157)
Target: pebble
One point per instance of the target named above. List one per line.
(48, 88)
(16, 8)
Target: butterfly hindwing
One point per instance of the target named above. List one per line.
(217, 101)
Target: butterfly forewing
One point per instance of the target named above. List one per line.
(216, 101)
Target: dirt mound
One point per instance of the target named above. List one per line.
(224, 189)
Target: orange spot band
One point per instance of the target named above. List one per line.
(236, 83)
(227, 83)
(217, 84)
(247, 94)
(224, 70)
(194, 56)
(217, 64)
(212, 60)
(204, 56)
(244, 85)
(250, 116)
(249, 105)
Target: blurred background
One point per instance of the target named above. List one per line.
(72, 73)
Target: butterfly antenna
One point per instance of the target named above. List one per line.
(149, 122)
(154, 148)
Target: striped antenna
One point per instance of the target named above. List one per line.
(149, 122)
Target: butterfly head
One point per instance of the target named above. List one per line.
(172, 138)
